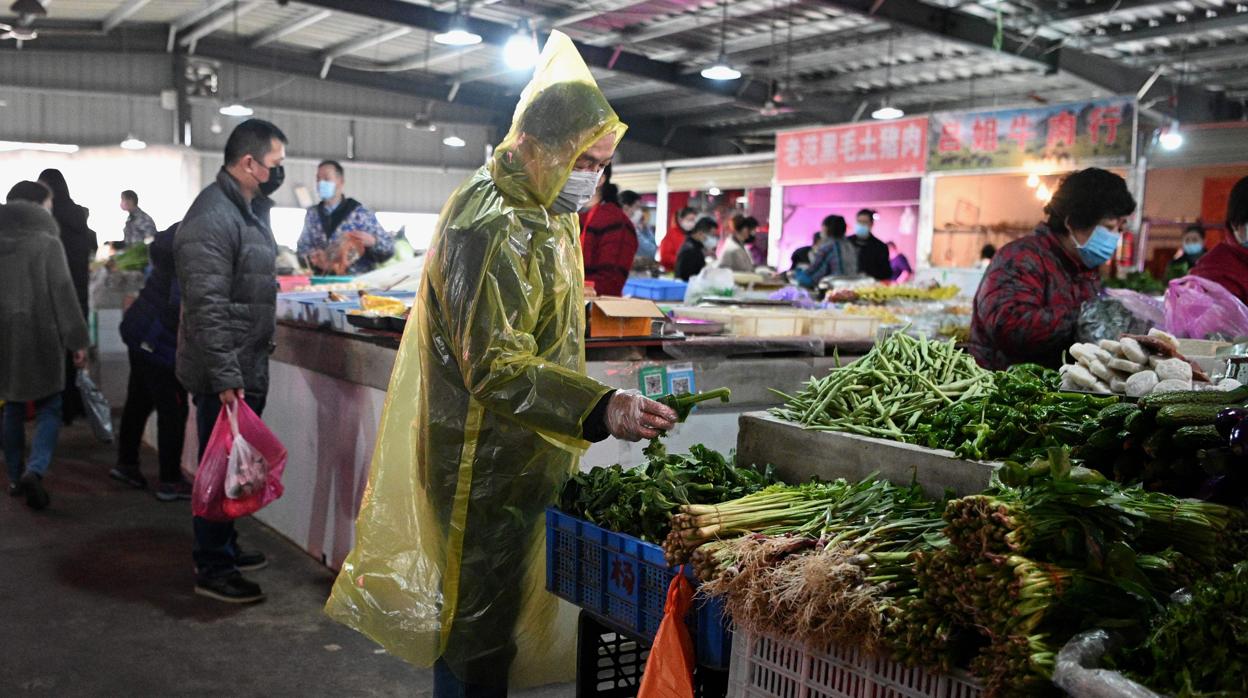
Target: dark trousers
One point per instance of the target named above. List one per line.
(153, 387)
(216, 542)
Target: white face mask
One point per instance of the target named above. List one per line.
(637, 216)
(687, 225)
(576, 192)
(711, 242)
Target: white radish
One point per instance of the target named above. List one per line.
(1141, 384)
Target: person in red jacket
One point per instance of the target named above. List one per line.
(1027, 307)
(669, 248)
(609, 243)
(1227, 263)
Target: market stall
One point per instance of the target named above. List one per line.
(865, 577)
(992, 171)
(843, 169)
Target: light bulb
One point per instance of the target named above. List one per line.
(1043, 193)
(132, 143)
(1033, 180)
(1171, 139)
(454, 142)
(713, 191)
(520, 52)
(236, 109)
(720, 70)
(458, 34)
(887, 113)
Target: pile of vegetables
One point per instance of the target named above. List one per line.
(1200, 644)
(641, 501)
(887, 393)
(1020, 417)
(995, 581)
(133, 258)
(880, 293)
(933, 394)
(1136, 365)
(1191, 444)
(1138, 281)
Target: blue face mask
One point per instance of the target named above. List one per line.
(1193, 248)
(1099, 248)
(326, 189)
(862, 230)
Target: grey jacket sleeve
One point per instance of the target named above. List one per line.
(205, 248)
(70, 324)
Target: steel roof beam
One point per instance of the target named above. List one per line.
(1195, 22)
(496, 33)
(217, 21)
(287, 27)
(123, 12)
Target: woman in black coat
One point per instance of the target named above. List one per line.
(80, 243)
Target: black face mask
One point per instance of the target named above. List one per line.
(277, 175)
(750, 240)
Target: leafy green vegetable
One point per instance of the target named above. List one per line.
(1199, 646)
(641, 501)
(684, 403)
(1139, 281)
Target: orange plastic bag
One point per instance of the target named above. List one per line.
(669, 670)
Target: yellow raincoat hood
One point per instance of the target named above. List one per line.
(484, 412)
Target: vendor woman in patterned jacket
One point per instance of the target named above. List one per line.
(340, 235)
(1027, 307)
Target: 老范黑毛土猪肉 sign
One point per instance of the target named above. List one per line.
(851, 150)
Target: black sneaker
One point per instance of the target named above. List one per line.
(231, 589)
(173, 491)
(130, 475)
(251, 560)
(36, 496)
(16, 489)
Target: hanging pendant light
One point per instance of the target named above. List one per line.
(721, 69)
(457, 32)
(132, 143)
(453, 141)
(237, 108)
(887, 111)
(1171, 138)
(521, 52)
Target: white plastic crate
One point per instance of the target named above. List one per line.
(841, 327)
(765, 667)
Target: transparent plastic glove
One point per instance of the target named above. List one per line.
(632, 416)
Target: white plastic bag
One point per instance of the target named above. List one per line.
(247, 470)
(99, 413)
(709, 282)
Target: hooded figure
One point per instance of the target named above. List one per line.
(486, 407)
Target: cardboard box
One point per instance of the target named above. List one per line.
(622, 317)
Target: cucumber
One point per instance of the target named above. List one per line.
(1105, 439)
(1195, 397)
(1194, 437)
(1138, 424)
(1115, 415)
(1188, 415)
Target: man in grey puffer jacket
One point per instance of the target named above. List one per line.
(225, 256)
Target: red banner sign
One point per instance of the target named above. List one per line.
(835, 152)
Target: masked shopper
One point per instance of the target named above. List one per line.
(1027, 307)
(489, 407)
(225, 257)
(1227, 262)
(670, 246)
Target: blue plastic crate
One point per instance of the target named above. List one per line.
(656, 289)
(624, 580)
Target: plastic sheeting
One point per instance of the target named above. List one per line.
(1076, 673)
(483, 415)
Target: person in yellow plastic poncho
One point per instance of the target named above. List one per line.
(489, 408)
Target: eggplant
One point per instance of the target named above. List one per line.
(1228, 418)
(1239, 437)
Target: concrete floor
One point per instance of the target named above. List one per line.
(96, 600)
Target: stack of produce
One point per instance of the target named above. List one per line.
(641, 501)
(933, 394)
(1186, 443)
(1136, 365)
(889, 391)
(1199, 646)
(880, 293)
(133, 258)
(997, 584)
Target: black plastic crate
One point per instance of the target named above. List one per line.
(610, 664)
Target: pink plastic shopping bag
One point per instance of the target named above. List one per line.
(241, 471)
(1198, 308)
